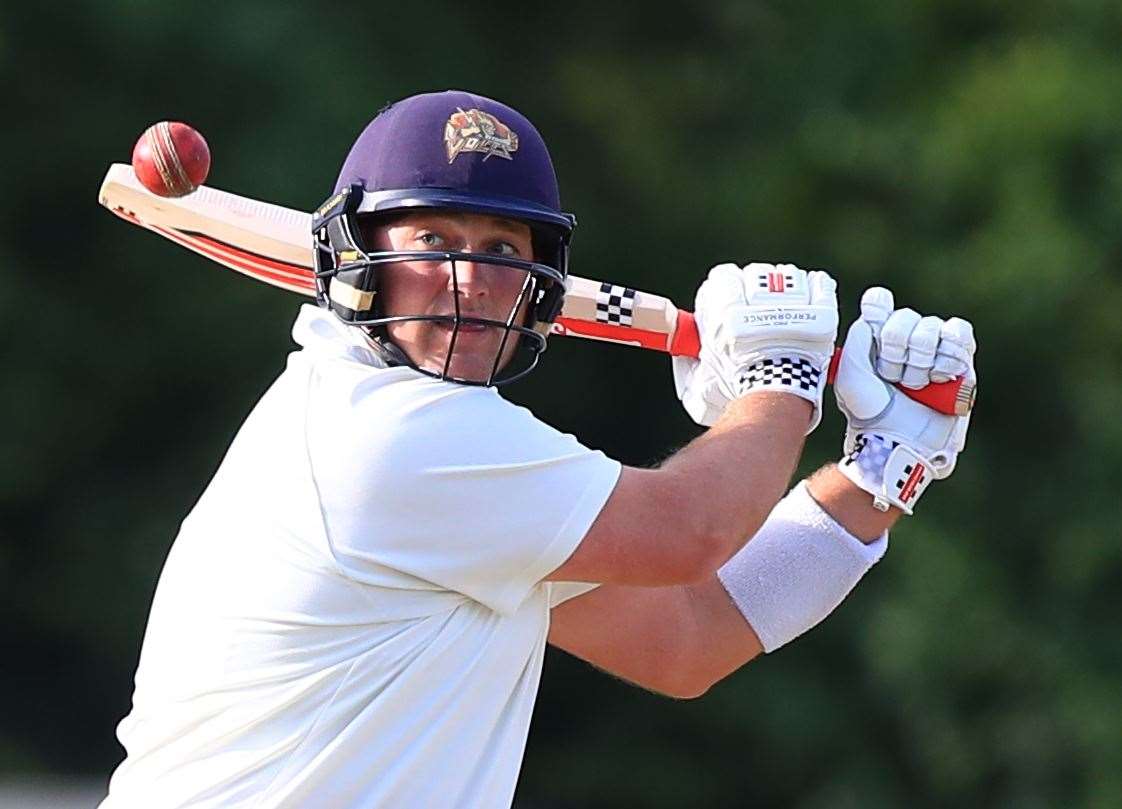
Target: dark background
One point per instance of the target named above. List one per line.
(967, 154)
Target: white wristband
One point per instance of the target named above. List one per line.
(796, 569)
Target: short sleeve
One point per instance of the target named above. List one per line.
(452, 486)
(562, 591)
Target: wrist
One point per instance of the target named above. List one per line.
(849, 505)
(777, 407)
(797, 373)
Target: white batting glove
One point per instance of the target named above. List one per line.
(766, 327)
(895, 447)
(700, 389)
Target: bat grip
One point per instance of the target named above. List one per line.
(955, 398)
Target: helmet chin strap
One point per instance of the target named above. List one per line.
(385, 348)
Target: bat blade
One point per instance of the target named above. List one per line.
(267, 242)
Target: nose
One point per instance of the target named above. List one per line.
(470, 278)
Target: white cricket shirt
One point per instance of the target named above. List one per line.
(353, 615)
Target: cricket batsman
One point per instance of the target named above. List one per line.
(355, 613)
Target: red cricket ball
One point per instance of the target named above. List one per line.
(171, 159)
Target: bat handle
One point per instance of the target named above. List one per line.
(955, 398)
(686, 342)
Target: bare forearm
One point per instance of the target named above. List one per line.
(675, 640)
(679, 523)
(736, 472)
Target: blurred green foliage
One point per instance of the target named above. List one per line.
(967, 154)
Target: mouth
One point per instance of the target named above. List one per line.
(467, 328)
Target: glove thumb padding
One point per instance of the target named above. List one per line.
(724, 283)
(699, 390)
(861, 394)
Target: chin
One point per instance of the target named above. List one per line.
(472, 368)
(474, 356)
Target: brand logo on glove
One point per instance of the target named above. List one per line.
(478, 131)
(775, 281)
(777, 317)
(909, 488)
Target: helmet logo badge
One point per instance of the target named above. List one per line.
(478, 131)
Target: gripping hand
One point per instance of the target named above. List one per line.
(764, 327)
(895, 447)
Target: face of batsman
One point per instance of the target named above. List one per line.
(472, 303)
(451, 174)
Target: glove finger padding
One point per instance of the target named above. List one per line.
(948, 367)
(955, 352)
(823, 289)
(922, 345)
(960, 332)
(894, 336)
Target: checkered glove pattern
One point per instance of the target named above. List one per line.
(894, 447)
(763, 327)
(781, 372)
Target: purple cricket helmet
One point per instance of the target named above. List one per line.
(453, 151)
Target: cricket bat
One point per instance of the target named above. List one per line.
(273, 244)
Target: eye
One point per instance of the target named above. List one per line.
(504, 249)
(429, 239)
